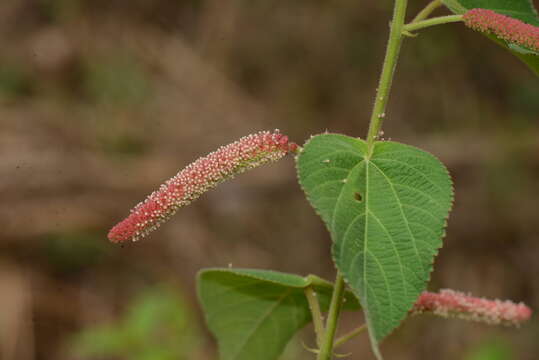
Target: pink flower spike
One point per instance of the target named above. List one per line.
(505, 27)
(450, 303)
(204, 174)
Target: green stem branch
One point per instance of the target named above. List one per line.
(326, 349)
(388, 70)
(316, 313)
(423, 14)
(352, 334)
(413, 26)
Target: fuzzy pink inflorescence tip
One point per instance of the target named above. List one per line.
(450, 303)
(204, 174)
(505, 27)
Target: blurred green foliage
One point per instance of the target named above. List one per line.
(156, 326)
(71, 253)
(115, 79)
(524, 98)
(120, 87)
(60, 10)
(14, 82)
(127, 144)
(492, 349)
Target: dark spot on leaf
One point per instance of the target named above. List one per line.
(358, 196)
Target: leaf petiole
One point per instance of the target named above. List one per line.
(413, 26)
(425, 13)
(352, 334)
(316, 313)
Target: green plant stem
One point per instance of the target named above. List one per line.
(423, 14)
(352, 334)
(326, 349)
(316, 313)
(388, 70)
(432, 22)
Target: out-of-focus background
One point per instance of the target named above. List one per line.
(102, 100)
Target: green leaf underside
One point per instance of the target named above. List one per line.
(521, 50)
(254, 313)
(386, 216)
(518, 9)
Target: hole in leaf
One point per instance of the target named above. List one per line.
(358, 196)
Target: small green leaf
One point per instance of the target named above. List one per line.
(254, 313)
(386, 214)
(519, 9)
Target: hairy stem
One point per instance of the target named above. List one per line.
(388, 70)
(377, 116)
(423, 14)
(352, 334)
(413, 26)
(326, 349)
(318, 319)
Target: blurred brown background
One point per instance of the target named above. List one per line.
(101, 101)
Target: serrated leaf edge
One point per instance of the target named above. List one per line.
(451, 204)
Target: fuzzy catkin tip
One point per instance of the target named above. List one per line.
(450, 303)
(507, 28)
(200, 176)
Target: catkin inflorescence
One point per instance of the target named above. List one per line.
(204, 174)
(505, 27)
(450, 303)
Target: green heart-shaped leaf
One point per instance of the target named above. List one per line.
(254, 313)
(519, 9)
(386, 214)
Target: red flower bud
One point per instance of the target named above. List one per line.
(505, 27)
(449, 303)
